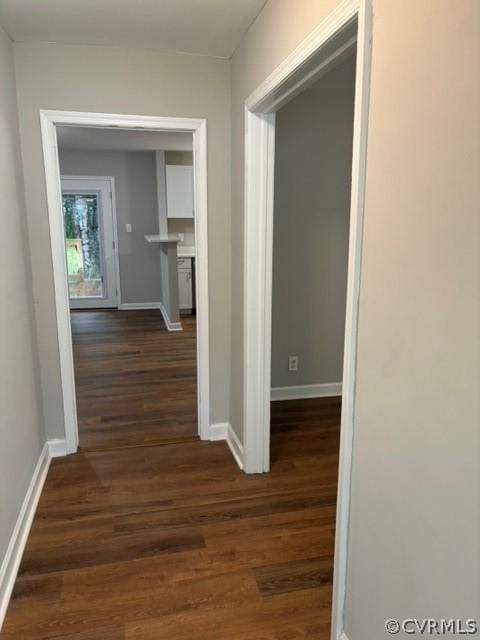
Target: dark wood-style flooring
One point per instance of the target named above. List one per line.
(174, 542)
(135, 381)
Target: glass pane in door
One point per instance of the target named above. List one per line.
(83, 246)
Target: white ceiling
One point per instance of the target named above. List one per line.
(85, 139)
(207, 27)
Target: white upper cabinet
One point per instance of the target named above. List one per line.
(179, 191)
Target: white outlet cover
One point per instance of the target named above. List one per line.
(293, 363)
(128, 228)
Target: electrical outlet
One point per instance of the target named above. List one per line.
(128, 228)
(293, 363)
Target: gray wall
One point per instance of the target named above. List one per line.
(416, 471)
(414, 526)
(136, 203)
(313, 157)
(179, 157)
(120, 80)
(22, 432)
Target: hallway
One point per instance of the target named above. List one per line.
(174, 542)
(135, 381)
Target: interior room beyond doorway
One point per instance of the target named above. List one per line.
(129, 221)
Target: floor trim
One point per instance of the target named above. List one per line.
(57, 448)
(298, 392)
(235, 446)
(171, 326)
(218, 431)
(18, 539)
(132, 306)
(224, 431)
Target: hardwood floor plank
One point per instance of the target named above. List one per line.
(135, 381)
(115, 632)
(39, 589)
(305, 630)
(294, 575)
(46, 534)
(184, 597)
(256, 619)
(114, 549)
(235, 554)
(224, 511)
(278, 524)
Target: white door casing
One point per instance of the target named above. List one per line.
(49, 120)
(349, 25)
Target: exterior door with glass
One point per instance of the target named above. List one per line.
(90, 245)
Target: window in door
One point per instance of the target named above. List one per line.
(82, 239)
(89, 242)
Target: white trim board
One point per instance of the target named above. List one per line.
(132, 306)
(313, 57)
(49, 120)
(57, 448)
(18, 539)
(224, 431)
(218, 431)
(297, 392)
(236, 446)
(171, 326)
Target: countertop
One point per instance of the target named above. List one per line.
(184, 251)
(162, 238)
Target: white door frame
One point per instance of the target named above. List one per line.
(49, 120)
(111, 181)
(350, 22)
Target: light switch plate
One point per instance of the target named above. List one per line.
(128, 228)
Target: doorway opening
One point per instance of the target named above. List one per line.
(346, 32)
(129, 251)
(313, 152)
(135, 372)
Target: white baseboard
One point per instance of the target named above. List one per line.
(307, 391)
(131, 306)
(18, 539)
(235, 445)
(224, 431)
(218, 431)
(171, 326)
(57, 448)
